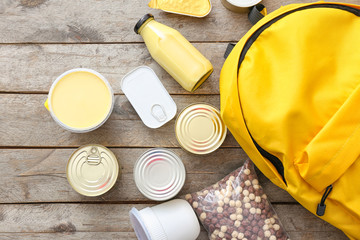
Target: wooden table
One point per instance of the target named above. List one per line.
(39, 40)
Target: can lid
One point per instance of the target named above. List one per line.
(200, 129)
(159, 174)
(92, 170)
(142, 21)
(148, 96)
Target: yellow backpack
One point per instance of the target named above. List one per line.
(290, 95)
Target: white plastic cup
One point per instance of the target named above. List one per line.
(47, 104)
(239, 6)
(173, 220)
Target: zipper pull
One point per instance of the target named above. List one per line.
(320, 211)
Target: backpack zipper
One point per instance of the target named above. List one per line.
(320, 211)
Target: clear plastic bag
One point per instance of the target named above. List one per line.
(237, 208)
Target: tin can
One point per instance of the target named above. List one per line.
(199, 128)
(92, 170)
(159, 174)
(80, 100)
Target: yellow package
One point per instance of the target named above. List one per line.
(196, 8)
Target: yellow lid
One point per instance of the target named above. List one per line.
(195, 8)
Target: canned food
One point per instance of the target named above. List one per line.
(200, 129)
(92, 170)
(80, 100)
(159, 174)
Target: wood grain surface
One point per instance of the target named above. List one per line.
(39, 40)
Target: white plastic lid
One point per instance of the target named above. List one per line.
(159, 174)
(148, 96)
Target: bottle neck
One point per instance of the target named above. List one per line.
(144, 24)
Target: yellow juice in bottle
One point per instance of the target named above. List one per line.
(174, 53)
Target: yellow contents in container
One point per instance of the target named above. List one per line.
(197, 8)
(81, 100)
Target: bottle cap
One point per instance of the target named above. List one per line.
(142, 21)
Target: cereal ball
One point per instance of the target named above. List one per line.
(252, 210)
(232, 203)
(246, 199)
(247, 171)
(257, 199)
(238, 189)
(203, 216)
(240, 235)
(247, 183)
(272, 237)
(216, 232)
(220, 203)
(232, 178)
(246, 192)
(256, 187)
(264, 196)
(239, 217)
(229, 188)
(252, 196)
(255, 182)
(205, 192)
(233, 217)
(221, 234)
(223, 239)
(217, 193)
(223, 229)
(228, 194)
(219, 209)
(247, 205)
(226, 200)
(272, 220)
(265, 227)
(276, 227)
(238, 203)
(233, 238)
(267, 233)
(223, 191)
(237, 223)
(228, 182)
(220, 197)
(267, 221)
(213, 236)
(187, 196)
(239, 211)
(234, 234)
(258, 211)
(195, 204)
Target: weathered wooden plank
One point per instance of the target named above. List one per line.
(79, 218)
(37, 66)
(113, 21)
(28, 123)
(131, 235)
(39, 175)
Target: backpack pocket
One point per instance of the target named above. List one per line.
(335, 148)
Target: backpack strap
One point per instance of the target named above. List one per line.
(256, 13)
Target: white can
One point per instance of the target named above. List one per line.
(173, 220)
(80, 100)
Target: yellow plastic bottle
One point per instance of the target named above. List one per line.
(174, 53)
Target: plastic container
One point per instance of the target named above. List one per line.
(148, 96)
(174, 53)
(159, 174)
(80, 100)
(173, 220)
(240, 6)
(92, 170)
(193, 8)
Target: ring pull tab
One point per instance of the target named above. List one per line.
(158, 112)
(93, 157)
